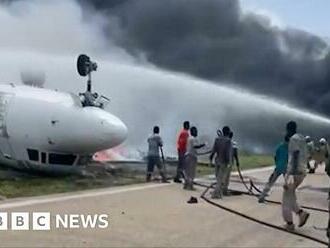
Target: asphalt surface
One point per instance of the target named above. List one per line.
(157, 215)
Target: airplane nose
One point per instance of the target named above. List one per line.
(114, 131)
(102, 130)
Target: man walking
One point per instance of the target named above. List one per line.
(295, 175)
(281, 162)
(154, 144)
(182, 148)
(223, 149)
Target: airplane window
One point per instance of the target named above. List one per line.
(43, 157)
(33, 154)
(64, 159)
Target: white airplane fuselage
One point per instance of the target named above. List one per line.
(49, 130)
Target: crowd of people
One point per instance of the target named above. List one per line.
(224, 150)
(294, 156)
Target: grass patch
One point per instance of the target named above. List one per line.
(255, 161)
(247, 161)
(35, 186)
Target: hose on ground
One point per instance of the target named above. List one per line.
(257, 220)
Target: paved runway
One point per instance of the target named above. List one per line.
(157, 215)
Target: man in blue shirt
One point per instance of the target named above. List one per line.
(281, 162)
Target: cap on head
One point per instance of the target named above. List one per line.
(323, 141)
(156, 129)
(308, 139)
(225, 131)
(186, 125)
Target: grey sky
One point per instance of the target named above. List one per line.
(309, 15)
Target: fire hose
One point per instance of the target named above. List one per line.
(250, 192)
(253, 186)
(257, 220)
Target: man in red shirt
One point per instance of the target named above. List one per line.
(182, 148)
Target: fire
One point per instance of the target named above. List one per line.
(110, 155)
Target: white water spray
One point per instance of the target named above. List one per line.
(141, 96)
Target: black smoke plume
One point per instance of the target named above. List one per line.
(214, 39)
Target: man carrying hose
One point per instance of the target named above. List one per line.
(233, 159)
(223, 149)
(295, 175)
(281, 161)
(155, 143)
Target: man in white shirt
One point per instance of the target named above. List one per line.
(191, 159)
(295, 175)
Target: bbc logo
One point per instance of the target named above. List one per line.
(21, 221)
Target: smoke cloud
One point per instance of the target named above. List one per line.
(143, 95)
(216, 40)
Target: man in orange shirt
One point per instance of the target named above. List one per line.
(182, 148)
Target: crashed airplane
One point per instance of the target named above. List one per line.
(55, 132)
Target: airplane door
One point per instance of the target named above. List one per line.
(5, 147)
